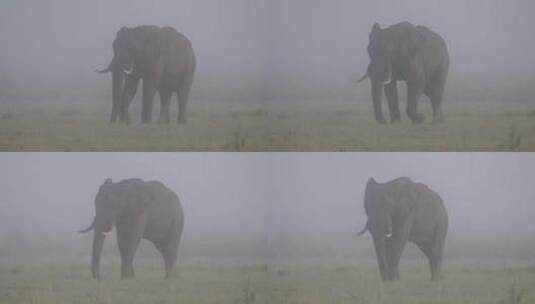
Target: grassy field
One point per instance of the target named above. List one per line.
(57, 283)
(51, 271)
(301, 126)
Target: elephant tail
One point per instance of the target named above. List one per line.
(88, 228)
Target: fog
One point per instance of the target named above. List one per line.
(262, 50)
(273, 204)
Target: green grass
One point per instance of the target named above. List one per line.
(48, 271)
(55, 283)
(296, 126)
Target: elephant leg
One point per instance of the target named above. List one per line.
(435, 94)
(169, 249)
(414, 92)
(149, 90)
(183, 95)
(438, 253)
(437, 274)
(130, 89)
(128, 238)
(430, 252)
(122, 242)
(391, 93)
(395, 246)
(165, 96)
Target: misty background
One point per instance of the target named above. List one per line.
(267, 206)
(263, 50)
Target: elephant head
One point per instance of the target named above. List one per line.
(108, 205)
(131, 49)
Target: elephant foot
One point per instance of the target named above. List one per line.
(438, 119)
(437, 277)
(395, 120)
(126, 119)
(417, 119)
(163, 121)
(127, 274)
(381, 120)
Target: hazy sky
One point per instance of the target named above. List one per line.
(291, 196)
(271, 45)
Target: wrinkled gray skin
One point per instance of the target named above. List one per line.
(137, 209)
(414, 54)
(402, 211)
(162, 58)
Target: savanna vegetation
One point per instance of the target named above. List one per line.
(279, 126)
(61, 275)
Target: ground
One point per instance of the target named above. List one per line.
(56, 283)
(295, 126)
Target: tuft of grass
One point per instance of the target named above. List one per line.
(248, 294)
(6, 116)
(515, 295)
(514, 139)
(16, 270)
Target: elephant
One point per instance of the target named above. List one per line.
(414, 54)
(138, 209)
(163, 58)
(401, 211)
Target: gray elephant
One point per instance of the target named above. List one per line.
(138, 209)
(414, 54)
(162, 58)
(400, 211)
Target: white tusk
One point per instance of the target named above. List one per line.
(128, 72)
(104, 71)
(389, 235)
(363, 78)
(389, 79)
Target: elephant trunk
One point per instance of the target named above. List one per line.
(380, 251)
(98, 241)
(117, 89)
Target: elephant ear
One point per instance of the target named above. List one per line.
(371, 182)
(408, 196)
(411, 42)
(376, 29)
(140, 197)
(154, 46)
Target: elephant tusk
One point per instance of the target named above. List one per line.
(389, 235)
(88, 228)
(104, 71)
(106, 233)
(389, 79)
(363, 230)
(128, 72)
(363, 78)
